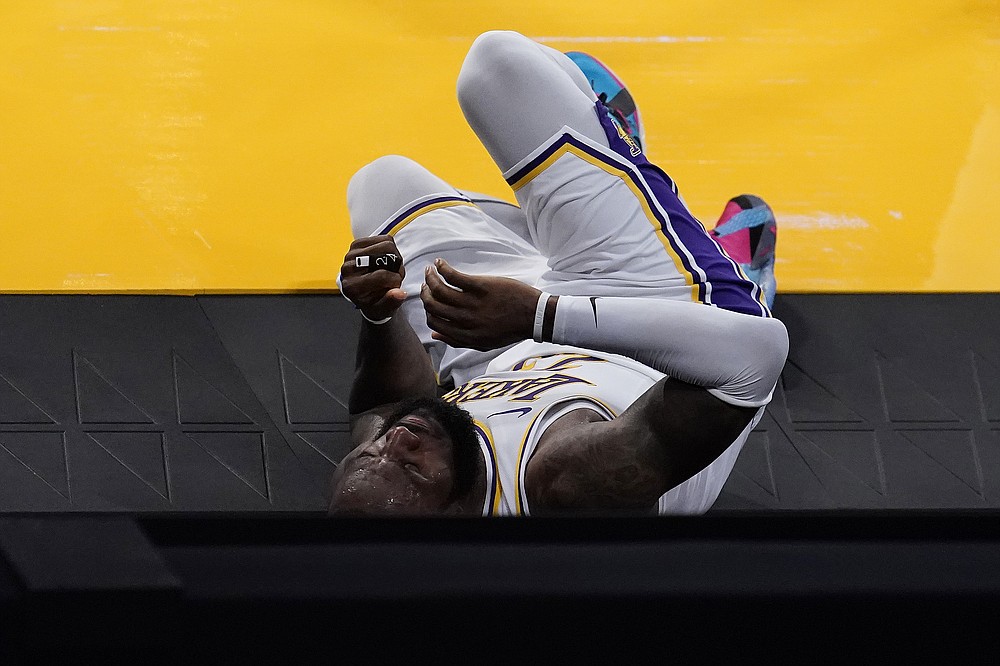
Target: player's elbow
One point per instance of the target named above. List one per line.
(764, 359)
(774, 350)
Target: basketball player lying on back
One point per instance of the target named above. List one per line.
(607, 355)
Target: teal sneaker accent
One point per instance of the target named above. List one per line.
(612, 91)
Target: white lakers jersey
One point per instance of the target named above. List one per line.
(525, 390)
(531, 385)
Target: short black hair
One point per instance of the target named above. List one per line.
(459, 427)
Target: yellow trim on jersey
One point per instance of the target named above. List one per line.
(639, 195)
(518, 505)
(497, 486)
(614, 413)
(426, 209)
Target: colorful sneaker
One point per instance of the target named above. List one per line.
(748, 232)
(612, 92)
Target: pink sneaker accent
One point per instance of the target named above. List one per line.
(737, 245)
(731, 209)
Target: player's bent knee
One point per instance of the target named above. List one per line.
(497, 45)
(494, 59)
(380, 172)
(367, 186)
(381, 187)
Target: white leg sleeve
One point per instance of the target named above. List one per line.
(737, 357)
(517, 93)
(381, 188)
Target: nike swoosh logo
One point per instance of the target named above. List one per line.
(520, 411)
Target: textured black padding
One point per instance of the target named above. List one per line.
(887, 401)
(171, 403)
(817, 587)
(238, 403)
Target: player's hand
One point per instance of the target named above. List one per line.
(478, 311)
(375, 291)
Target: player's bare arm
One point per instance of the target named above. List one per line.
(391, 364)
(664, 438)
(723, 367)
(736, 356)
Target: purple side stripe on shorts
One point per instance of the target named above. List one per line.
(718, 279)
(729, 288)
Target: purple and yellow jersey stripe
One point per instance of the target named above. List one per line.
(714, 278)
(494, 490)
(520, 499)
(414, 211)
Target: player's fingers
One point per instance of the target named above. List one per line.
(441, 326)
(442, 292)
(374, 253)
(377, 281)
(455, 277)
(367, 290)
(444, 310)
(456, 333)
(362, 246)
(390, 301)
(445, 339)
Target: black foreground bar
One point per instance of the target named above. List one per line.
(816, 586)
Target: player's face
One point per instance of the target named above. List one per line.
(408, 470)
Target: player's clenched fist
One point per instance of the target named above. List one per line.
(372, 275)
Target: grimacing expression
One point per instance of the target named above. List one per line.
(406, 469)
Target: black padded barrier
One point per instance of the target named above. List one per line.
(816, 587)
(238, 403)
